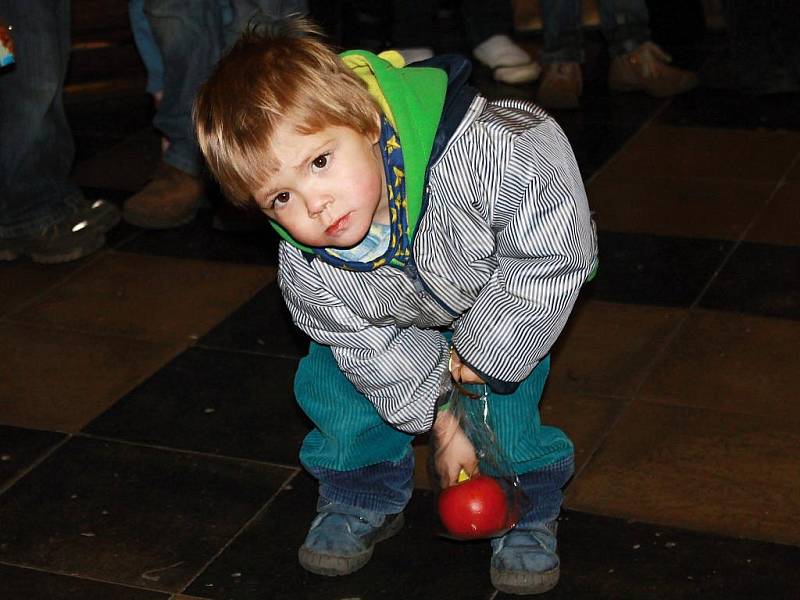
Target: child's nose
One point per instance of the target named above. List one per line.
(317, 204)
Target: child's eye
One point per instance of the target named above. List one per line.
(321, 161)
(280, 198)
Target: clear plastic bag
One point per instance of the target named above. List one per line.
(471, 509)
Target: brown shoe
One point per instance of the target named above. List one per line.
(561, 86)
(646, 70)
(172, 198)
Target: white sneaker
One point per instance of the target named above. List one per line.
(412, 55)
(509, 62)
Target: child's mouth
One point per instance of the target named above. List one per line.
(339, 225)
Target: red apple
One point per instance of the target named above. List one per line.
(474, 508)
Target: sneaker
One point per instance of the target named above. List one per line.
(509, 63)
(561, 86)
(98, 212)
(77, 235)
(171, 199)
(341, 539)
(524, 561)
(646, 69)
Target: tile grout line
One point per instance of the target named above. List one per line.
(38, 461)
(79, 577)
(285, 485)
(209, 455)
(39, 295)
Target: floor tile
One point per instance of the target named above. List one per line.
(263, 325)
(262, 562)
(130, 515)
(730, 363)
(583, 417)
(660, 150)
(29, 584)
(794, 172)
(31, 280)
(604, 558)
(697, 469)
(708, 107)
(649, 269)
(780, 222)
(759, 279)
(200, 240)
(607, 348)
(226, 403)
(20, 448)
(594, 144)
(63, 379)
(681, 207)
(160, 299)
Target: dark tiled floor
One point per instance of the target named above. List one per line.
(149, 437)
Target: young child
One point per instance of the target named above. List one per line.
(427, 232)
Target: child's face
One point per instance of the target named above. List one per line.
(328, 188)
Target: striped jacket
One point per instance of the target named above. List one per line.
(500, 253)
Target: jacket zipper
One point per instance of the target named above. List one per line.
(411, 271)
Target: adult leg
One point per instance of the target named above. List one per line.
(625, 25)
(42, 214)
(563, 35)
(242, 12)
(414, 28)
(562, 54)
(147, 47)
(637, 64)
(37, 149)
(190, 38)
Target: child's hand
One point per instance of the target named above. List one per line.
(461, 372)
(5, 36)
(454, 451)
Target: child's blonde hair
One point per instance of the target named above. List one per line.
(276, 72)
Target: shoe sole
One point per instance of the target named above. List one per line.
(84, 249)
(517, 74)
(53, 258)
(523, 583)
(334, 565)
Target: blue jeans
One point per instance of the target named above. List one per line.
(362, 461)
(146, 45)
(192, 37)
(36, 145)
(625, 25)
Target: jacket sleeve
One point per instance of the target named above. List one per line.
(546, 248)
(401, 371)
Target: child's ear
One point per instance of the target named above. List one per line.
(375, 136)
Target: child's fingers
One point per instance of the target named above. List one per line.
(467, 375)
